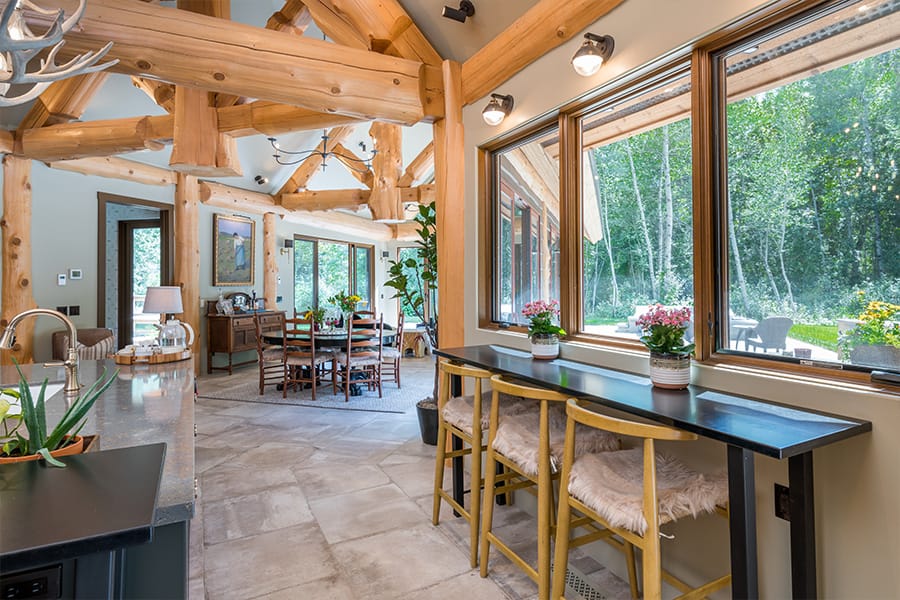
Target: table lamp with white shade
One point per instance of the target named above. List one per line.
(166, 300)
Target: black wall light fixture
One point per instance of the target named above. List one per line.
(497, 109)
(593, 52)
(466, 9)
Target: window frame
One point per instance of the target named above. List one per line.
(709, 191)
(351, 266)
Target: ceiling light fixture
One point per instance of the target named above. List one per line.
(466, 9)
(593, 52)
(260, 180)
(19, 45)
(351, 161)
(497, 109)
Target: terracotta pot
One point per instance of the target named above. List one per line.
(544, 346)
(670, 371)
(76, 447)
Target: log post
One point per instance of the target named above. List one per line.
(187, 254)
(449, 158)
(270, 266)
(15, 224)
(387, 166)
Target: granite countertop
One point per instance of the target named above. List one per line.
(146, 404)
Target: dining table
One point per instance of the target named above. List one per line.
(336, 338)
(747, 425)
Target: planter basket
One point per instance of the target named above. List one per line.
(670, 371)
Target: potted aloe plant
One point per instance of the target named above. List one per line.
(62, 440)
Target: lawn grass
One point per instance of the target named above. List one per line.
(824, 336)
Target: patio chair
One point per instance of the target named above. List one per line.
(771, 333)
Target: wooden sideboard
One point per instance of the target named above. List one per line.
(236, 333)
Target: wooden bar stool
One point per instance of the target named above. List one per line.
(631, 493)
(529, 444)
(460, 416)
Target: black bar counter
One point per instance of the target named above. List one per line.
(747, 425)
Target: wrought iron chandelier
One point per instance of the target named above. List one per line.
(19, 45)
(350, 160)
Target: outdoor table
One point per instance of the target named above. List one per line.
(746, 425)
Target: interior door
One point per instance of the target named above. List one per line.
(143, 262)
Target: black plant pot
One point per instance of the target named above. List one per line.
(428, 421)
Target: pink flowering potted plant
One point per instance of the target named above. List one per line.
(543, 330)
(670, 357)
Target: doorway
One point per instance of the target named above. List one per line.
(135, 252)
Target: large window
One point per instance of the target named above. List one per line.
(323, 268)
(812, 217)
(772, 207)
(637, 241)
(525, 216)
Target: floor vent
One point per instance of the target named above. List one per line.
(578, 588)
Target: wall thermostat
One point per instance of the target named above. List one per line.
(61, 279)
(75, 274)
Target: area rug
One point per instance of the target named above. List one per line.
(416, 377)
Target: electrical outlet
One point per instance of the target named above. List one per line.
(63, 309)
(74, 310)
(782, 502)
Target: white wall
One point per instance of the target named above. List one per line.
(857, 481)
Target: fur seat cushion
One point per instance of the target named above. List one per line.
(458, 411)
(517, 438)
(611, 483)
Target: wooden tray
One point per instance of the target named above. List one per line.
(151, 359)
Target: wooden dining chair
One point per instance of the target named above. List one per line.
(528, 443)
(361, 358)
(270, 359)
(630, 493)
(391, 355)
(303, 362)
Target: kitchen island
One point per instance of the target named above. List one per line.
(147, 404)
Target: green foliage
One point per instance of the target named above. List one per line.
(316, 314)
(824, 336)
(415, 279)
(879, 325)
(34, 418)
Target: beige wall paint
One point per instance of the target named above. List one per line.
(857, 481)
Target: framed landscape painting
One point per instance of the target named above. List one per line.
(233, 243)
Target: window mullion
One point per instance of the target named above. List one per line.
(570, 223)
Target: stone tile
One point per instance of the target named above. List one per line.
(324, 479)
(214, 425)
(329, 588)
(417, 558)
(275, 454)
(468, 585)
(227, 481)
(195, 548)
(365, 512)
(196, 589)
(248, 410)
(410, 451)
(266, 563)
(206, 458)
(414, 478)
(255, 513)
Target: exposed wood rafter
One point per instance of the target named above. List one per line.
(113, 167)
(419, 166)
(64, 101)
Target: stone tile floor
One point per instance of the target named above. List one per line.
(307, 503)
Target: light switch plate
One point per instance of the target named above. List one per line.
(61, 279)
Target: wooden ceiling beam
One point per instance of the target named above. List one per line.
(97, 138)
(7, 142)
(546, 25)
(382, 26)
(302, 174)
(113, 167)
(272, 118)
(293, 18)
(217, 55)
(64, 101)
(419, 167)
(325, 199)
(364, 177)
(387, 165)
(159, 91)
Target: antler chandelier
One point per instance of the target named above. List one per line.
(350, 160)
(19, 45)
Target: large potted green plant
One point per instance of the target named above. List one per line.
(62, 440)
(414, 282)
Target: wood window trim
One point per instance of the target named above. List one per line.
(351, 262)
(708, 180)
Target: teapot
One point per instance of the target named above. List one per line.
(173, 333)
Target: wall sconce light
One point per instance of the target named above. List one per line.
(288, 246)
(594, 50)
(497, 109)
(260, 180)
(466, 9)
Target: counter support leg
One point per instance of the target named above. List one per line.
(742, 523)
(803, 526)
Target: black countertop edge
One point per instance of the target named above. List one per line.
(35, 557)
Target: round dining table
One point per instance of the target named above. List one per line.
(326, 339)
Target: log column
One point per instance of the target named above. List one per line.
(384, 201)
(187, 254)
(270, 266)
(15, 224)
(449, 178)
